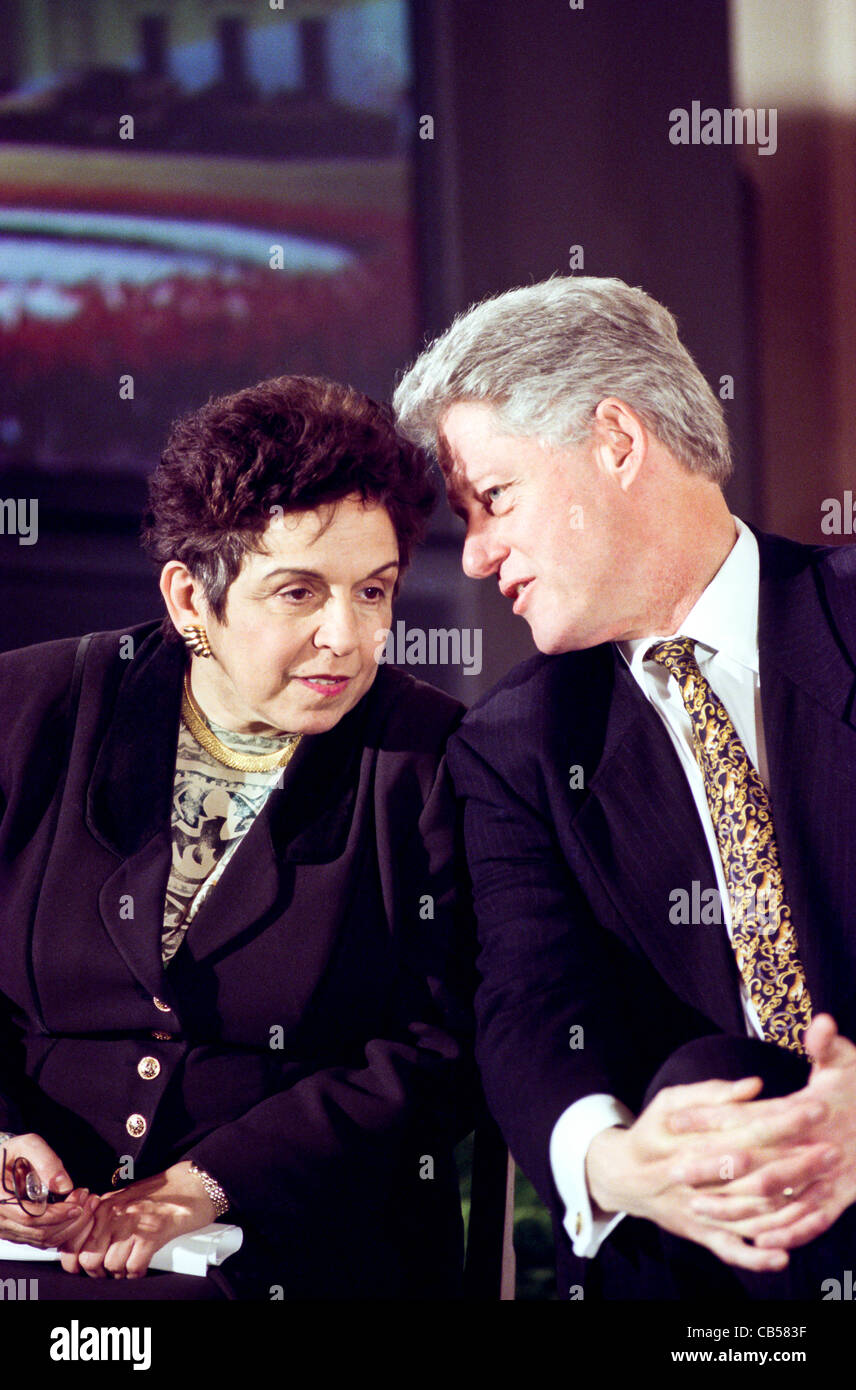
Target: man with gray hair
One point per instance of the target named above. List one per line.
(660, 807)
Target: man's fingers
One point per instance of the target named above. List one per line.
(735, 1251)
(703, 1093)
(755, 1172)
(795, 1110)
(800, 1232)
(710, 1168)
(726, 1207)
(760, 1176)
(797, 1169)
(820, 1040)
(750, 1224)
(750, 1215)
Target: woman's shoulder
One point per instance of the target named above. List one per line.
(51, 661)
(36, 681)
(50, 665)
(34, 686)
(406, 715)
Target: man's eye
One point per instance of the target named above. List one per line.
(295, 595)
(491, 495)
(374, 592)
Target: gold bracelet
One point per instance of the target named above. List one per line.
(213, 1189)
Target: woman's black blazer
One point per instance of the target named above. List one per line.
(312, 1033)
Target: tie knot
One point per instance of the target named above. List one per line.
(677, 655)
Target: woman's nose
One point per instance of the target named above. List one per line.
(338, 627)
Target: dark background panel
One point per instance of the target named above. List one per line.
(550, 131)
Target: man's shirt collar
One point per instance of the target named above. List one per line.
(725, 618)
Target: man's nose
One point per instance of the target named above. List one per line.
(483, 553)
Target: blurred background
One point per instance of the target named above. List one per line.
(198, 194)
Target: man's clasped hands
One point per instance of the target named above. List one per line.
(749, 1179)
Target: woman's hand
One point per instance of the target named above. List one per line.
(62, 1221)
(133, 1223)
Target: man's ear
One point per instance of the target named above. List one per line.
(620, 440)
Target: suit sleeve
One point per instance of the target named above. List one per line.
(318, 1159)
(35, 721)
(553, 1008)
(11, 1072)
(12, 1079)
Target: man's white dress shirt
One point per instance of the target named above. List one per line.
(724, 626)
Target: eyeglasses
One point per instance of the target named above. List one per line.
(23, 1182)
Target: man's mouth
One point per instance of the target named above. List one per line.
(516, 591)
(512, 590)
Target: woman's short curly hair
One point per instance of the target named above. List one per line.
(296, 443)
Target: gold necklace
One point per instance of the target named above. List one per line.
(239, 762)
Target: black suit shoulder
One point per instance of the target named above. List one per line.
(808, 584)
(841, 561)
(837, 573)
(545, 711)
(782, 555)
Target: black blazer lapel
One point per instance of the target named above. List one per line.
(808, 686)
(130, 792)
(128, 803)
(641, 832)
(304, 822)
(131, 904)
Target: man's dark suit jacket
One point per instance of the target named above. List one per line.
(316, 1059)
(572, 884)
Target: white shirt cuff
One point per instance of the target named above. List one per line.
(569, 1142)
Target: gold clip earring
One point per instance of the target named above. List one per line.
(197, 640)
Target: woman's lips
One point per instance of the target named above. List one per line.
(326, 685)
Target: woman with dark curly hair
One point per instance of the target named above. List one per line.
(233, 977)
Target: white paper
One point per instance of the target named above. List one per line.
(190, 1254)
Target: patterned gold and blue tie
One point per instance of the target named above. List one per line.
(763, 934)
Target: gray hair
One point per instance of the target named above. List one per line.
(544, 356)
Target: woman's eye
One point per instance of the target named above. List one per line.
(493, 494)
(295, 595)
(374, 592)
